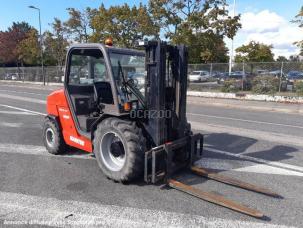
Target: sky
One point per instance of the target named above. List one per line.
(266, 21)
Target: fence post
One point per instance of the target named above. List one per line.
(281, 75)
(23, 74)
(211, 70)
(243, 75)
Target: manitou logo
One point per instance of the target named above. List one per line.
(76, 140)
(63, 110)
(66, 117)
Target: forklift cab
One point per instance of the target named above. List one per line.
(95, 82)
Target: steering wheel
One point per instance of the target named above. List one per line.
(133, 81)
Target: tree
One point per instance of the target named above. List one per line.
(28, 49)
(299, 20)
(294, 58)
(282, 59)
(56, 44)
(9, 41)
(210, 48)
(201, 25)
(124, 24)
(254, 52)
(22, 28)
(79, 23)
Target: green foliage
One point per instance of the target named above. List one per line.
(28, 50)
(299, 88)
(124, 24)
(299, 20)
(254, 52)
(56, 44)
(201, 25)
(230, 86)
(265, 85)
(282, 59)
(79, 23)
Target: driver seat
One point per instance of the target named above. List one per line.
(103, 93)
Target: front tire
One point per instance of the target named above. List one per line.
(53, 138)
(119, 147)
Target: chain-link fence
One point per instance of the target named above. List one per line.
(33, 74)
(272, 76)
(258, 77)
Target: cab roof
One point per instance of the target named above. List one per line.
(108, 48)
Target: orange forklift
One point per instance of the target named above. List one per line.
(128, 107)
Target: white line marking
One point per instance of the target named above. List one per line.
(244, 120)
(265, 169)
(13, 125)
(249, 133)
(22, 109)
(211, 163)
(28, 99)
(14, 91)
(16, 207)
(258, 160)
(39, 150)
(37, 87)
(245, 166)
(16, 113)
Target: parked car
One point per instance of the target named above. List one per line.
(217, 74)
(294, 76)
(262, 72)
(199, 76)
(11, 76)
(276, 73)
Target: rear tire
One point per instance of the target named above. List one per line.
(119, 147)
(53, 138)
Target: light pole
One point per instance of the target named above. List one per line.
(41, 43)
(231, 56)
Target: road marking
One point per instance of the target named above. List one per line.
(22, 109)
(196, 124)
(16, 113)
(14, 91)
(37, 87)
(28, 99)
(245, 166)
(35, 210)
(12, 125)
(257, 160)
(41, 150)
(18, 125)
(248, 133)
(266, 169)
(244, 120)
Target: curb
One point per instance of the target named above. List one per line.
(251, 97)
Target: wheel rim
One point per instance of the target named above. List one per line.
(50, 137)
(112, 151)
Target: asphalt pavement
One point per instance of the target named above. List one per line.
(258, 145)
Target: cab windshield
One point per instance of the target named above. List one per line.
(129, 66)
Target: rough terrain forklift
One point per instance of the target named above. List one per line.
(128, 107)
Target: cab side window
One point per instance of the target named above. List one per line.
(86, 67)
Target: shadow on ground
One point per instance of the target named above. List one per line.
(238, 144)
